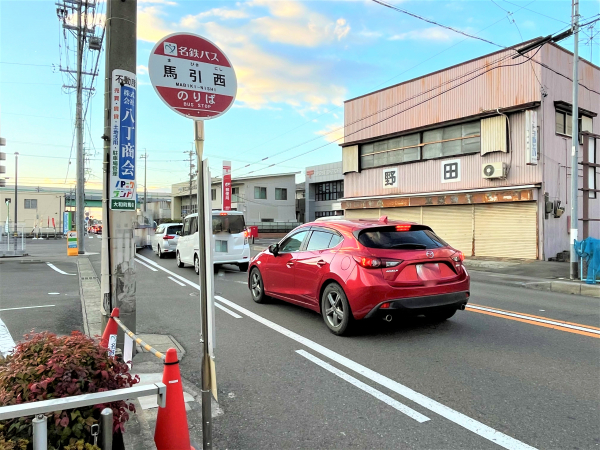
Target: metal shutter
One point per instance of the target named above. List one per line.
(454, 224)
(408, 213)
(507, 230)
(361, 214)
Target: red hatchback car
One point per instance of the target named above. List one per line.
(356, 269)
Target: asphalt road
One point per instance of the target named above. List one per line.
(480, 380)
(508, 375)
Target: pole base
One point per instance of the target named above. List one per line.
(574, 270)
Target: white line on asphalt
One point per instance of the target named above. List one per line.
(172, 279)
(52, 266)
(144, 264)
(228, 311)
(6, 341)
(242, 282)
(473, 425)
(27, 307)
(458, 418)
(534, 319)
(365, 387)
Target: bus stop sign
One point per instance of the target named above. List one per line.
(192, 76)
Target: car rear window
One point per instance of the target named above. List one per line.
(390, 238)
(174, 229)
(230, 223)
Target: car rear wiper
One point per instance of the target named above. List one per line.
(410, 245)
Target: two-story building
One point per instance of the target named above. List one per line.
(480, 151)
(324, 185)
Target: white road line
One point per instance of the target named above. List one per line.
(228, 311)
(365, 387)
(464, 421)
(171, 278)
(458, 418)
(535, 319)
(7, 344)
(27, 307)
(52, 266)
(242, 282)
(179, 277)
(144, 264)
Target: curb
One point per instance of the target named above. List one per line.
(90, 294)
(559, 286)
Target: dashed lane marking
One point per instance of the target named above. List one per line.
(27, 307)
(228, 311)
(146, 265)
(174, 280)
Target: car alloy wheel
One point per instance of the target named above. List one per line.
(178, 258)
(160, 255)
(334, 310)
(197, 265)
(257, 287)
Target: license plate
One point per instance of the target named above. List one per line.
(221, 246)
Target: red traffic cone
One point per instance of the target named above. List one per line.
(111, 328)
(171, 432)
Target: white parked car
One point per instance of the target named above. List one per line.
(230, 240)
(165, 238)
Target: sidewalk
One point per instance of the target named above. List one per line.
(530, 274)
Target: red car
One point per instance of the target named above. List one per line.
(349, 270)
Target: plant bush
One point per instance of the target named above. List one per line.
(45, 366)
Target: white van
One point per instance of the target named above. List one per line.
(230, 240)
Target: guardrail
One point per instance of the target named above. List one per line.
(38, 409)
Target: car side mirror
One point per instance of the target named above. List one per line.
(274, 249)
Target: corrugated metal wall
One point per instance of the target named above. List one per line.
(426, 176)
(497, 88)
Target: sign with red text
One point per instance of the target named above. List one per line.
(226, 185)
(192, 76)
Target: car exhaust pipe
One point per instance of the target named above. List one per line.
(462, 307)
(388, 318)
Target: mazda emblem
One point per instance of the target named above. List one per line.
(429, 254)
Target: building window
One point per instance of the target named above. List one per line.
(332, 190)
(260, 193)
(451, 171)
(564, 122)
(280, 194)
(235, 193)
(437, 143)
(213, 194)
(30, 203)
(328, 213)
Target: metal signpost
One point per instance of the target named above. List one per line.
(195, 79)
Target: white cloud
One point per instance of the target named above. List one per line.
(333, 133)
(425, 34)
(142, 70)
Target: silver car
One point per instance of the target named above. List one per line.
(165, 238)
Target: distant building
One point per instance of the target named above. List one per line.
(324, 188)
(480, 151)
(262, 199)
(300, 202)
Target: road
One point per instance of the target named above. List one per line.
(483, 379)
(508, 372)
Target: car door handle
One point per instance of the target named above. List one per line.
(290, 264)
(321, 263)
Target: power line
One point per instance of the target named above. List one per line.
(403, 11)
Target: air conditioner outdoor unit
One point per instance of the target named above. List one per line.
(493, 170)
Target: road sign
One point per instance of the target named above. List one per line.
(123, 141)
(226, 186)
(192, 76)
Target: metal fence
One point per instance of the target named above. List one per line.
(12, 242)
(104, 431)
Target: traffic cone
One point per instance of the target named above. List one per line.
(111, 328)
(171, 432)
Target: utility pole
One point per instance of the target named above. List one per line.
(118, 249)
(192, 167)
(145, 158)
(79, 199)
(575, 141)
(16, 196)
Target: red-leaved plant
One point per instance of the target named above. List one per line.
(45, 366)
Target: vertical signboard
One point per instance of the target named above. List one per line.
(531, 138)
(72, 243)
(123, 143)
(226, 186)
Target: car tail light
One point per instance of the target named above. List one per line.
(246, 233)
(166, 237)
(402, 227)
(458, 257)
(368, 262)
(222, 214)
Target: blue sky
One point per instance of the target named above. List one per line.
(296, 63)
